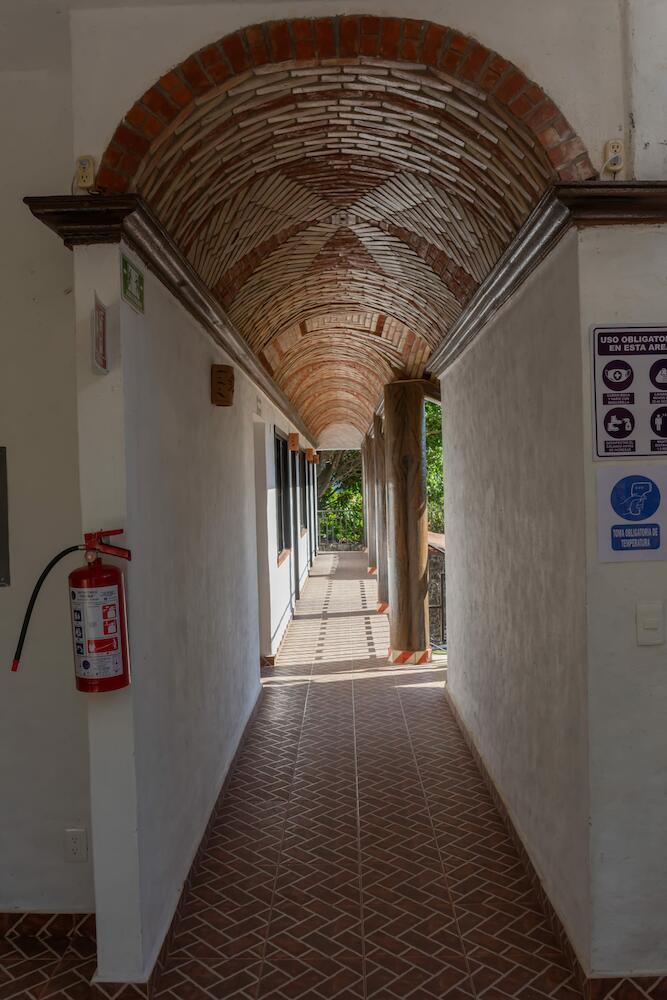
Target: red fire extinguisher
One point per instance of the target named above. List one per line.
(99, 623)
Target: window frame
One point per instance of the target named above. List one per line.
(283, 521)
(303, 493)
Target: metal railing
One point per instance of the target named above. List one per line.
(437, 607)
(338, 533)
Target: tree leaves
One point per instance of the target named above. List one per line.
(339, 492)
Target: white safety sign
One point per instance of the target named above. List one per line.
(630, 372)
(96, 632)
(632, 512)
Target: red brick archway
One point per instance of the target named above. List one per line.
(343, 186)
(342, 37)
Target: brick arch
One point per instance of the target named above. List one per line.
(325, 38)
(343, 185)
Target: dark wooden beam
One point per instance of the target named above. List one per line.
(432, 389)
(614, 203)
(84, 220)
(81, 220)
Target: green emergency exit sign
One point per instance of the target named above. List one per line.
(132, 284)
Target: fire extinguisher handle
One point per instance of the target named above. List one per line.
(95, 543)
(114, 550)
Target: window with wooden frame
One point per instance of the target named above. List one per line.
(303, 488)
(282, 494)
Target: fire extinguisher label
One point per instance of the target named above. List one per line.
(96, 632)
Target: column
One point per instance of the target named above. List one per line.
(371, 536)
(112, 726)
(381, 515)
(364, 490)
(407, 522)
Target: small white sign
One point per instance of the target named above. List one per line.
(632, 513)
(630, 372)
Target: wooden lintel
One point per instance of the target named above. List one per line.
(614, 203)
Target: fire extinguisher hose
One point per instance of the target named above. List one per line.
(33, 597)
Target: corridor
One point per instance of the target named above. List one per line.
(356, 851)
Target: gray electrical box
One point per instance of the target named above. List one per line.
(4, 521)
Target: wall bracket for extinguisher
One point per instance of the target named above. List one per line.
(94, 544)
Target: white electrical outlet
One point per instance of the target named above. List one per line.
(614, 156)
(76, 845)
(85, 172)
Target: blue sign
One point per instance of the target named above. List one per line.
(635, 498)
(635, 537)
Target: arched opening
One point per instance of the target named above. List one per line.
(301, 220)
(343, 186)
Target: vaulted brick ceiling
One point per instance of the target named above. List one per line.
(343, 186)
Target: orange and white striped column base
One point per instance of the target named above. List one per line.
(382, 607)
(372, 570)
(400, 656)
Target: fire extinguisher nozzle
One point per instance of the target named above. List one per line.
(15, 665)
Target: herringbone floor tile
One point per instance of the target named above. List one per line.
(356, 854)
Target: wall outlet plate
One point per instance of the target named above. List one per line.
(650, 619)
(76, 845)
(85, 172)
(614, 155)
(4, 520)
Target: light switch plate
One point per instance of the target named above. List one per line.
(4, 521)
(650, 624)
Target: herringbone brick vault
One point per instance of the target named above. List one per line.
(343, 186)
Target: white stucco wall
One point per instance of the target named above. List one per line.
(516, 574)
(281, 571)
(567, 47)
(111, 728)
(44, 755)
(192, 585)
(623, 274)
(263, 447)
(181, 478)
(304, 563)
(645, 23)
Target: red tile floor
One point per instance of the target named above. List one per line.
(357, 853)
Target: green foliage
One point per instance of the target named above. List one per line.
(342, 515)
(340, 496)
(434, 483)
(340, 493)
